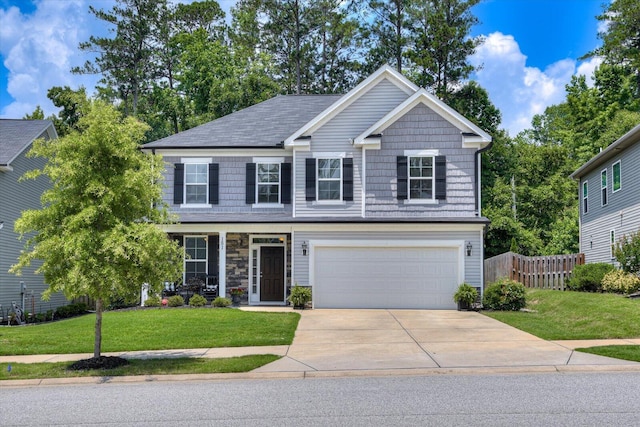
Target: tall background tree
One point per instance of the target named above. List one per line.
(97, 233)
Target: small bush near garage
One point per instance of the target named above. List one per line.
(627, 253)
(619, 282)
(505, 294)
(588, 277)
(152, 301)
(175, 301)
(221, 302)
(197, 301)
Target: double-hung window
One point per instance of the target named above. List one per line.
(329, 179)
(421, 178)
(268, 182)
(195, 260)
(585, 197)
(603, 186)
(617, 176)
(196, 180)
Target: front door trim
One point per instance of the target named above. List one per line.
(256, 242)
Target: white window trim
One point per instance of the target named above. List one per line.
(585, 199)
(184, 254)
(421, 153)
(195, 161)
(420, 201)
(340, 200)
(265, 161)
(191, 160)
(604, 201)
(613, 180)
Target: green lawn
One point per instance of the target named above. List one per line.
(575, 315)
(152, 329)
(626, 352)
(21, 371)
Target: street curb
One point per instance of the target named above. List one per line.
(558, 369)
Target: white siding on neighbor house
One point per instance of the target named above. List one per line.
(622, 212)
(232, 188)
(420, 129)
(473, 263)
(17, 197)
(334, 137)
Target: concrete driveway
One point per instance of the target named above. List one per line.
(352, 340)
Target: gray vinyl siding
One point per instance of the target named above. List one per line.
(232, 188)
(335, 136)
(622, 212)
(473, 271)
(420, 129)
(16, 197)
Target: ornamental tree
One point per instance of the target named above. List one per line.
(97, 232)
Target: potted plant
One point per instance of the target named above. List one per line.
(300, 296)
(465, 296)
(236, 294)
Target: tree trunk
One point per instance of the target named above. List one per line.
(98, 332)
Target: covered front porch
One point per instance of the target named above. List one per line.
(215, 262)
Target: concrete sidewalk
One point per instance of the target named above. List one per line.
(374, 342)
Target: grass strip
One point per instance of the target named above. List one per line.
(567, 315)
(625, 352)
(152, 329)
(166, 366)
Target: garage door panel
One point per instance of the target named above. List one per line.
(387, 277)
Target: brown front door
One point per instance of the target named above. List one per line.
(271, 273)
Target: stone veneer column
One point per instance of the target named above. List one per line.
(222, 264)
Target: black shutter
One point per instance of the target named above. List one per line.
(178, 184)
(251, 183)
(212, 256)
(441, 177)
(310, 179)
(214, 172)
(347, 179)
(402, 177)
(285, 179)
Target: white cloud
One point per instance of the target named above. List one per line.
(520, 92)
(39, 50)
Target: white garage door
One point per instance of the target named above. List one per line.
(386, 277)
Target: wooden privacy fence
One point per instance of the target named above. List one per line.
(546, 272)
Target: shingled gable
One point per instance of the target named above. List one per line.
(264, 125)
(472, 135)
(301, 136)
(17, 135)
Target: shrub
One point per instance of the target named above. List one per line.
(619, 282)
(627, 253)
(71, 310)
(152, 301)
(300, 296)
(221, 302)
(466, 295)
(505, 294)
(175, 301)
(588, 277)
(197, 301)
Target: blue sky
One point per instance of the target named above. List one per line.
(530, 52)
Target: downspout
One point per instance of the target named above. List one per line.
(477, 174)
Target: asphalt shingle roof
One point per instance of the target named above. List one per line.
(262, 125)
(16, 135)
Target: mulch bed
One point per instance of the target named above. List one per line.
(102, 362)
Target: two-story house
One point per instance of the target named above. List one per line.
(16, 138)
(609, 195)
(370, 198)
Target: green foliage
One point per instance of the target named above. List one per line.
(588, 277)
(300, 295)
(221, 302)
(71, 310)
(505, 295)
(465, 294)
(197, 301)
(175, 301)
(153, 301)
(620, 282)
(627, 253)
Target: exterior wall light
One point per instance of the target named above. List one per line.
(469, 248)
(304, 248)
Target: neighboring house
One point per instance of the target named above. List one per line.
(16, 137)
(609, 197)
(370, 198)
